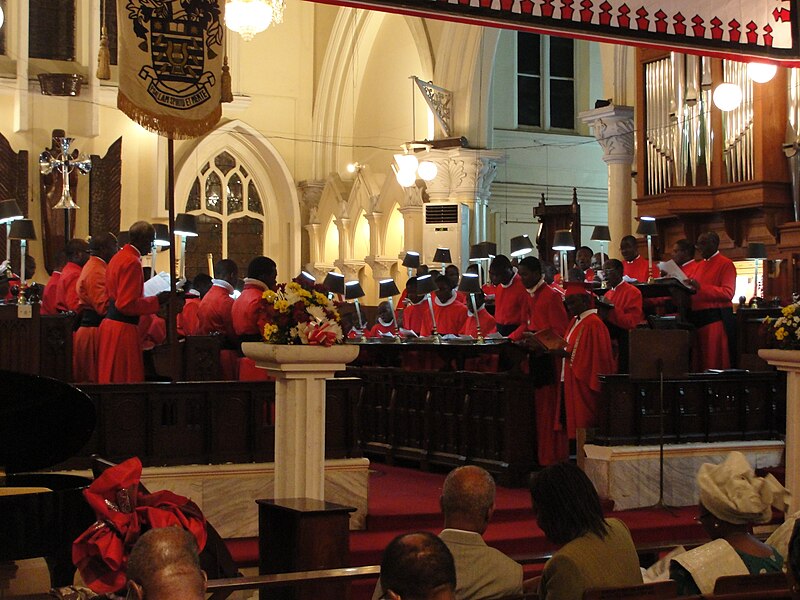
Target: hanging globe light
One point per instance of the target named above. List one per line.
(761, 72)
(248, 17)
(406, 162)
(406, 178)
(2, 16)
(727, 96)
(427, 170)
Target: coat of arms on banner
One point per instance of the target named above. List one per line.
(170, 68)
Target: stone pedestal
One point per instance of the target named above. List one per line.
(300, 373)
(789, 362)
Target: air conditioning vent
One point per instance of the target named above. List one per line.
(441, 213)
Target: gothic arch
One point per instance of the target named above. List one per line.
(272, 176)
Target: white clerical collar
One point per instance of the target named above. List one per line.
(384, 323)
(223, 284)
(688, 262)
(449, 302)
(712, 256)
(630, 262)
(471, 314)
(586, 313)
(510, 281)
(532, 290)
(255, 283)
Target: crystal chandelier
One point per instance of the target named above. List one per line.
(249, 17)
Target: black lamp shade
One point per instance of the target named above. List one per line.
(186, 225)
(442, 255)
(9, 211)
(601, 233)
(521, 245)
(334, 282)
(478, 252)
(411, 259)
(647, 226)
(469, 284)
(352, 290)
(387, 288)
(426, 284)
(162, 235)
(22, 229)
(308, 277)
(563, 240)
(756, 250)
(491, 248)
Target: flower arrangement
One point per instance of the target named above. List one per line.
(296, 314)
(784, 332)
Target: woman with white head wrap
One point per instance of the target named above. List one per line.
(732, 499)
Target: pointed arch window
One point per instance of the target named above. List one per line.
(230, 215)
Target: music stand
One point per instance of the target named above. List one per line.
(659, 354)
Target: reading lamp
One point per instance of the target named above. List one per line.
(334, 283)
(482, 251)
(353, 291)
(411, 261)
(563, 243)
(22, 230)
(161, 240)
(185, 227)
(756, 251)
(426, 285)
(386, 289)
(647, 227)
(442, 256)
(521, 245)
(601, 234)
(470, 284)
(306, 279)
(9, 212)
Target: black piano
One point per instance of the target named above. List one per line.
(42, 422)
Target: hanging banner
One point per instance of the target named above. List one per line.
(170, 64)
(735, 29)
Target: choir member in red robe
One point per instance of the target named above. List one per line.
(622, 310)
(215, 315)
(91, 288)
(635, 266)
(417, 313)
(385, 322)
(454, 276)
(583, 260)
(544, 309)
(188, 322)
(449, 312)
(510, 296)
(120, 351)
(487, 322)
(50, 293)
(683, 255)
(66, 293)
(589, 355)
(712, 311)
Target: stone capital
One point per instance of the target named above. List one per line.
(381, 266)
(349, 268)
(613, 128)
(310, 195)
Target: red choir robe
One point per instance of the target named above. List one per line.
(152, 331)
(50, 295)
(380, 328)
(589, 356)
(244, 315)
(417, 318)
(544, 309)
(627, 300)
(509, 303)
(215, 315)
(187, 322)
(450, 315)
(717, 279)
(637, 269)
(66, 293)
(588, 275)
(488, 324)
(119, 348)
(690, 267)
(91, 288)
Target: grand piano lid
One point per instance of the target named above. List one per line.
(43, 421)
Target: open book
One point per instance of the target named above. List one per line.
(549, 339)
(672, 269)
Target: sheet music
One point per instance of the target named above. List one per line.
(156, 284)
(672, 269)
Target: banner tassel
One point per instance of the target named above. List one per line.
(226, 95)
(103, 57)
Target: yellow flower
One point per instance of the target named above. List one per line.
(282, 306)
(269, 329)
(789, 310)
(780, 334)
(269, 296)
(321, 299)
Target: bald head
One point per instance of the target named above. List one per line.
(468, 499)
(142, 235)
(418, 566)
(164, 564)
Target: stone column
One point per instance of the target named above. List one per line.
(413, 218)
(471, 175)
(613, 128)
(310, 195)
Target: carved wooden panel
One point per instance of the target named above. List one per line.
(553, 218)
(105, 191)
(13, 183)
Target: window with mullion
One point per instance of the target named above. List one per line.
(545, 82)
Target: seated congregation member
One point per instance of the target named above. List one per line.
(621, 309)
(544, 309)
(793, 562)
(449, 312)
(509, 296)
(732, 500)
(417, 566)
(589, 355)
(50, 293)
(66, 294)
(482, 572)
(262, 274)
(593, 552)
(91, 290)
(164, 563)
(215, 315)
(119, 346)
(635, 266)
(188, 321)
(384, 323)
(583, 261)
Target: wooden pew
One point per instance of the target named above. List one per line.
(658, 590)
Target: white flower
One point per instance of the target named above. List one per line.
(301, 332)
(317, 313)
